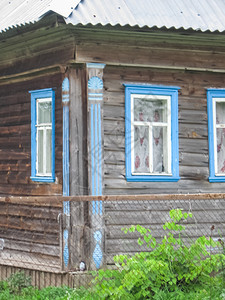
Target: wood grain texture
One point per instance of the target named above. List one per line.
(15, 138)
(153, 214)
(193, 129)
(30, 230)
(78, 132)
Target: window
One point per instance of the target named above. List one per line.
(216, 134)
(151, 133)
(43, 135)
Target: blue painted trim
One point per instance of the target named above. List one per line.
(66, 207)
(92, 158)
(95, 65)
(92, 152)
(152, 90)
(66, 175)
(66, 185)
(42, 179)
(93, 99)
(38, 94)
(100, 150)
(66, 85)
(65, 98)
(213, 93)
(95, 83)
(95, 94)
(96, 149)
(151, 86)
(66, 248)
(66, 149)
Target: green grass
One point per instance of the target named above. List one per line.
(214, 292)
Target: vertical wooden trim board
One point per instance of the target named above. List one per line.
(66, 178)
(95, 154)
(65, 100)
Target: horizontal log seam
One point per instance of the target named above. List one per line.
(56, 201)
(164, 67)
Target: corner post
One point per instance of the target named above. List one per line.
(66, 175)
(95, 158)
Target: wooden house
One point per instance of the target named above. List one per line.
(102, 98)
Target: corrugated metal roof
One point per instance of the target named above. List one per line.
(187, 14)
(180, 14)
(20, 12)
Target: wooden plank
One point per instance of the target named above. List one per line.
(28, 224)
(193, 159)
(194, 173)
(108, 53)
(193, 116)
(27, 261)
(45, 201)
(30, 247)
(193, 231)
(193, 203)
(113, 127)
(29, 211)
(78, 132)
(154, 217)
(122, 246)
(50, 200)
(193, 145)
(80, 235)
(48, 238)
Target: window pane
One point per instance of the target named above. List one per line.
(48, 151)
(220, 132)
(220, 112)
(40, 151)
(44, 112)
(149, 110)
(141, 149)
(160, 153)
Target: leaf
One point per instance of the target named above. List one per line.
(140, 242)
(132, 228)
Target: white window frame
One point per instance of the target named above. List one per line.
(151, 125)
(44, 127)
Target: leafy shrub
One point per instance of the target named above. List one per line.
(18, 281)
(170, 269)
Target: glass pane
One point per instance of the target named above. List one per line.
(220, 112)
(141, 149)
(40, 151)
(160, 153)
(220, 135)
(148, 110)
(48, 151)
(44, 112)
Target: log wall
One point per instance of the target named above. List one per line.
(15, 137)
(30, 233)
(193, 129)
(208, 220)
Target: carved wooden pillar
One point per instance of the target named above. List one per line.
(66, 177)
(95, 157)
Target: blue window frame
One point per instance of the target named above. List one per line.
(43, 135)
(216, 134)
(151, 133)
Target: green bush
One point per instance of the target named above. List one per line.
(170, 270)
(18, 281)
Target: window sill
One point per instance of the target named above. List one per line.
(217, 179)
(42, 179)
(144, 178)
